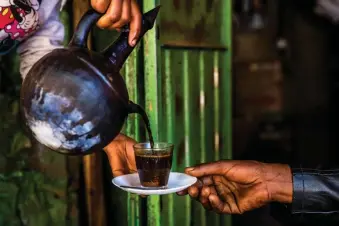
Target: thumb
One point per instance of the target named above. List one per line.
(213, 168)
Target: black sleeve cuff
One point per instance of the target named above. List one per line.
(315, 199)
(315, 196)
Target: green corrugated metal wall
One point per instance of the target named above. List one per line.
(187, 94)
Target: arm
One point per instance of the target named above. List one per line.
(46, 39)
(315, 197)
(236, 186)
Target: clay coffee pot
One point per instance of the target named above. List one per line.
(74, 100)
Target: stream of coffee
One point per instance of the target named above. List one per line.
(148, 125)
(139, 110)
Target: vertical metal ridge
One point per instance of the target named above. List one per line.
(202, 106)
(170, 124)
(227, 61)
(226, 77)
(187, 126)
(216, 99)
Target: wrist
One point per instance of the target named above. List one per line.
(279, 182)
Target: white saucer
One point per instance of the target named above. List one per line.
(176, 182)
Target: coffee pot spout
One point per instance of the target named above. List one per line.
(151, 16)
(120, 49)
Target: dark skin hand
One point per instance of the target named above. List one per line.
(118, 13)
(234, 187)
(120, 155)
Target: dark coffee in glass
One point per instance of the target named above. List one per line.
(153, 164)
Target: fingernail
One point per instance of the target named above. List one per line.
(189, 169)
(133, 42)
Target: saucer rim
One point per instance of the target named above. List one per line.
(154, 191)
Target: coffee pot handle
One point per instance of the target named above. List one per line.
(83, 28)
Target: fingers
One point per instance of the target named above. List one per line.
(200, 191)
(117, 159)
(217, 205)
(130, 157)
(117, 163)
(135, 24)
(193, 190)
(203, 197)
(112, 15)
(205, 203)
(100, 5)
(118, 13)
(214, 168)
(207, 180)
(206, 191)
(227, 193)
(120, 154)
(125, 15)
(182, 193)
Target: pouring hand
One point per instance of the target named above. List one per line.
(234, 187)
(117, 14)
(120, 154)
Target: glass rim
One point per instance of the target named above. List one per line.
(166, 146)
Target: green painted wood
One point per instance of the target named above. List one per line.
(168, 105)
(132, 129)
(226, 91)
(216, 134)
(174, 67)
(187, 129)
(187, 95)
(203, 123)
(196, 148)
(226, 80)
(182, 203)
(216, 78)
(208, 56)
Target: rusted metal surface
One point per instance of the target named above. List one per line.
(196, 23)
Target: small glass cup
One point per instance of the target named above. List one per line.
(153, 164)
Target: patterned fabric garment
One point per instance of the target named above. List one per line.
(33, 26)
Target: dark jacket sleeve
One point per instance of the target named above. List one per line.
(315, 196)
(315, 199)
